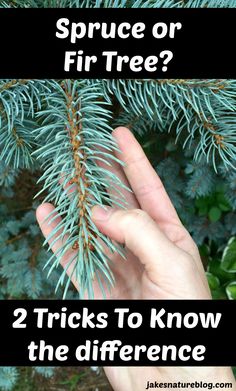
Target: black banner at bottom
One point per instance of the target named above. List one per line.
(117, 333)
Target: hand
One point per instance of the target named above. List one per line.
(163, 262)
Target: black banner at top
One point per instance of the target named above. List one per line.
(117, 43)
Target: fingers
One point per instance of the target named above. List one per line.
(138, 231)
(143, 179)
(158, 255)
(151, 193)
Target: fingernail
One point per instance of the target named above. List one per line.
(101, 212)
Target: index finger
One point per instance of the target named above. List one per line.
(143, 179)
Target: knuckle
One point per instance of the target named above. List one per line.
(177, 233)
(135, 222)
(136, 216)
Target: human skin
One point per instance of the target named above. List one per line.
(163, 261)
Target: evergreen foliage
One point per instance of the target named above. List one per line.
(55, 141)
(63, 130)
(118, 3)
(45, 371)
(8, 378)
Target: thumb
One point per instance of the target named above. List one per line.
(139, 232)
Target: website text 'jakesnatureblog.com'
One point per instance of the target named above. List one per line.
(185, 385)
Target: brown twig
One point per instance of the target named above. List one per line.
(74, 129)
(12, 83)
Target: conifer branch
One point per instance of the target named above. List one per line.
(76, 137)
(79, 157)
(12, 83)
(118, 3)
(204, 109)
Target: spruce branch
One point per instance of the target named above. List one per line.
(147, 94)
(20, 99)
(79, 180)
(77, 137)
(17, 144)
(8, 84)
(215, 137)
(204, 109)
(118, 3)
